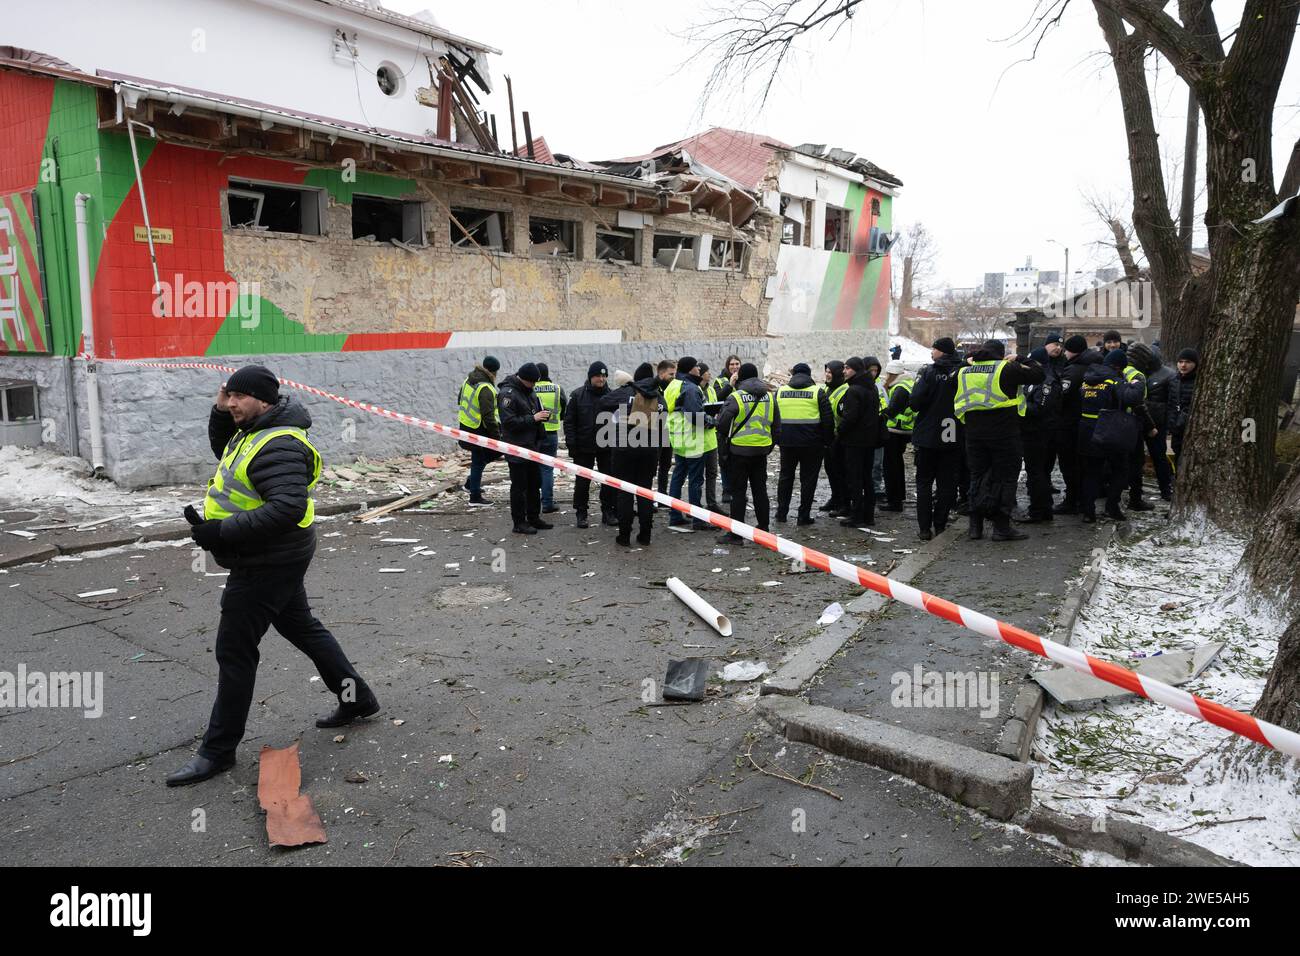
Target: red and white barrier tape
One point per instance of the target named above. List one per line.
(1262, 732)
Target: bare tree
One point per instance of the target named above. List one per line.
(977, 314)
(1122, 239)
(919, 254)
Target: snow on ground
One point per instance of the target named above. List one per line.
(914, 353)
(1147, 763)
(39, 477)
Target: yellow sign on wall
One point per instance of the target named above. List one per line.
(159, 235)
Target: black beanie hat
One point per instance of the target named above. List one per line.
(801, 368)
(1076, 344)
(1052, 338)
(1116, 358)
(255, 380)
(835, 367)
(527, 372)
(1040, 356)
(644, 370)
(596, 368)
(747, 370)
(856, 364)
(1112, 336)
(544, 371)
(1190, 355)
(994, 347)
(945, 345)
(492, 363)
(685, 364)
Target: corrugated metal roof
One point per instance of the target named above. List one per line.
(738, 155)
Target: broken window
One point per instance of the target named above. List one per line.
(727, 254)
(837, 229)
(616, 245)
(486, 228)
(269, 208)
(380, 219)
(552, 237)
(674, 251)
(792, 221)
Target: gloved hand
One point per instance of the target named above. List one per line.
(207, 534)
(192, 516)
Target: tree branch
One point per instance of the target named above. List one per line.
(1187, 50)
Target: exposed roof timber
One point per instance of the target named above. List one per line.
(502, 178)
(614, 197)
(542, 186)
(580, 191)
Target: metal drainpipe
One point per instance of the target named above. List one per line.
(88, 332)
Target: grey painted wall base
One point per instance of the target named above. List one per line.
(155, 420)
(818, 348)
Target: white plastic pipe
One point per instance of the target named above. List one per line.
(712, 616)
(88, 333)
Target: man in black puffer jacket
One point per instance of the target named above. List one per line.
(522, 418)
(935, 440)
(1142, 357)
(582, 438)
(1078, 358)
(257, 521)
(859, 434)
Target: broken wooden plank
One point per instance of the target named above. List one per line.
(400, 503)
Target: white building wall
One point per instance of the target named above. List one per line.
(278, 52)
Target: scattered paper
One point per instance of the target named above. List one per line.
(392, 570)
(86, 594)
(20, 533)
(744, 670)
(832, 613)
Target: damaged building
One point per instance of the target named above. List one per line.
(315, 184)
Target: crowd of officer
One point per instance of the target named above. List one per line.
(975, 418)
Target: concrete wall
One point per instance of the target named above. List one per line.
(155, 420)
(818, 348)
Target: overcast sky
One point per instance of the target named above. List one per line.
(995, 157)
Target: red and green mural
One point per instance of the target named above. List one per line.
(817, 290)
(51, 149)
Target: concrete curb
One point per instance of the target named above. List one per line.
(44, 552)
(974, 778)
(804, 663)
(1017, 736)
(1128, 841)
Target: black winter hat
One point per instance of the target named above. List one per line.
(544, 371)
(856, 364)
(1140, 356)
(945, 345)
(1112, 336)
(835, 366)
(871, 360)
(801, 369)
(492, 363)
(1190, 355)
(528, 372)
(1040, 356)
(1116, 359)
(596, 368)
(747, 370)
(644, 370)
(994, 347)
(685, 364)
(1076, 344)
(257, 381)
(1052, 338)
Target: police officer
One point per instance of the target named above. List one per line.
(746, 425)
(257, 521)
(552, 399)
(583, 438)
(989, 402)
(858, 433)
(1078, 359)
(835, 387)
(522, 417)
(478, 414)
(806, 427)
(1135, 375)
(709, 388)
(685, 404)
(900, 419)
(1104, 467)
(1038, 428)
(935, 442)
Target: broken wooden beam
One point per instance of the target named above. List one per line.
(400, 503)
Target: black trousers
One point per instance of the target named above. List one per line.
(1069, 459)
(858, 486)
(636, 465)
(603, 461)
(935, 467)
(665, 467)
(995, 472)
(749, 472)
(835, 475)
(254, 600)
(808, 462)
(895, 483)
(525, 491)
(963, 465)
(1102, 476)
(1176, 440)
(1039, 452)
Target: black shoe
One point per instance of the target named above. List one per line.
(976, 530)
(1088, 517)
(830, 506)
(726, 499)
(1065, 508)
(610, 520)
(1137, 504)
(782, 518)
(1031, 519)
(940, 528)
(623, 540)
(478, 500)
(540, 525)
(199, 768)
(1116, 514)
(925, 534)
(730, 538)
(852, 522)
(524, 529)
(805, 520)
(697, 525)
(550, 510)
(582, 520)
(1007, 534)
(890, 507)
(346, 713)
(643, 538)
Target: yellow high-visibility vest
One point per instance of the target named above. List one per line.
(231, 491)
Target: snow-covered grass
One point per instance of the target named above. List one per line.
(1141, 761)
(39, 477)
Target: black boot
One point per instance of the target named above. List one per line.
(1114, 512)
(976, 531)
(540, 525)
(346, 713)
(1137, 504)
(1002, 531)
(524, 529)
(925, 534)
(199, 768)
(804, 521)
(582, 520)
(782, 517)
